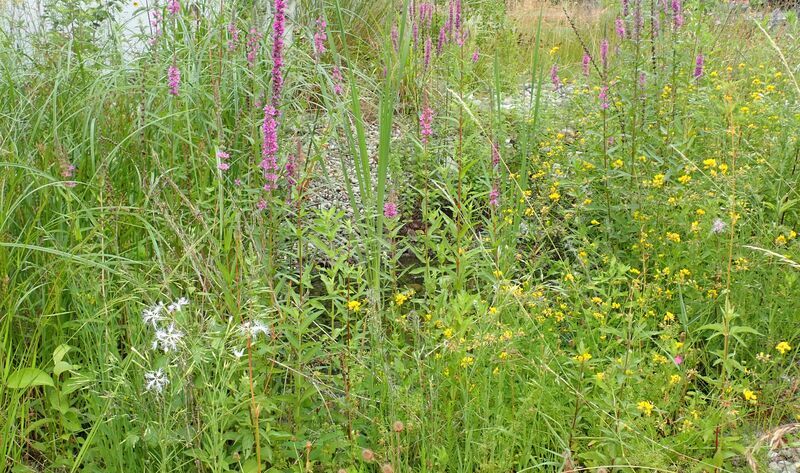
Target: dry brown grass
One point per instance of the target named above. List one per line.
(525, 14)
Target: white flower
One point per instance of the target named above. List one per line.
(718, 226)
(167, 338)
(238, 353)
(252, 329)
(155, 380)
(178, 305)
(152, 315)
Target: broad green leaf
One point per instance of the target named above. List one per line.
(28, 378)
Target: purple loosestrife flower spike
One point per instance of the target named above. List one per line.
(494, 196)
(291, 170)
(625, 7)
(638, 20)
(475, 56)
(173, 7)
(426, 124)
(450, 19)
(269, 148)
(604, 53)
(620, 27)
(440, 43)
(234, 32)
(390, 209)
(253, 43)
(495, 155)
(336, 75)
(320, 36)
(277, 51)
(677, 12)
(174, 80)
(554, 77)
(427, 47)
(587, 60)
(603, 97)
(698, 66)
(222, 158)
(395, 35)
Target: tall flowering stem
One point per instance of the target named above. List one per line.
(174, 80)
(698, 66)
(426, 124)
(253, 39)
(269, 148)
(278, 27)
(320, 36)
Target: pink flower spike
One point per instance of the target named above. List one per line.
(494, 196)
(174, 79)
(426, 124)
(390, 209)
(678, 360)
(173, 7)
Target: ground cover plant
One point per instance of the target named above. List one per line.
(400, 236)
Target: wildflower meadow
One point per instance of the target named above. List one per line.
(399, 236)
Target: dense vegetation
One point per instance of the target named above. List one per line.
(433, 236)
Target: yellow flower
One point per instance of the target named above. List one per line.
(355, 306)
(617, 164)
(781, 240)
(583, 357)
(675, 379)
(600, 376)
(645, 407)
(783, 347)
(674, 237)
(685, 179)
(467, 361)
(493, 310)
(658, 181)
(669, 317)
(448, 333)
(400, 298)
(750, 396)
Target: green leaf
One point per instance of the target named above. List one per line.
(60, 352)
(28, 378)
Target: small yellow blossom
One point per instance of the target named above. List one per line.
(400, 298)
(783, 348)
(354, 306)
(600, 376)
(583, 357)
(750, 396)
(645, 407)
